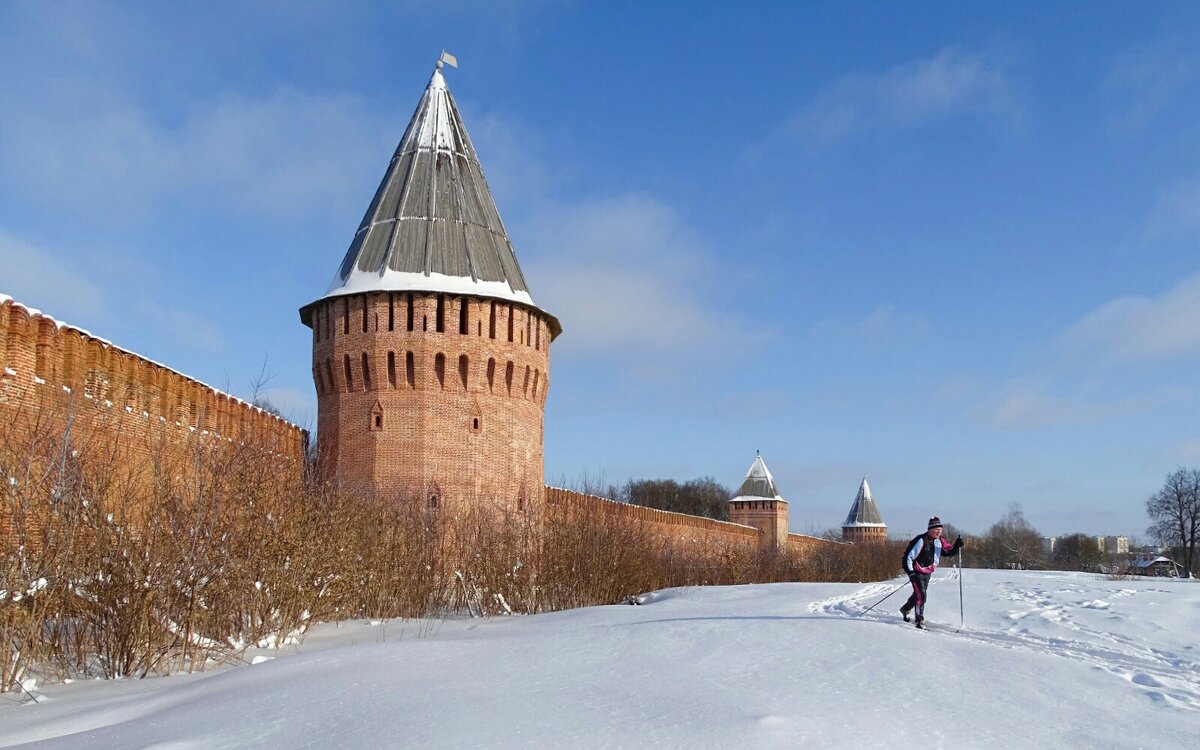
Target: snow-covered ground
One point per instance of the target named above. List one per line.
(1046, 660)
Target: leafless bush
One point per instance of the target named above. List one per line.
(123, 556)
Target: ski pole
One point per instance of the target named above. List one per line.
(881, 601)
(961, 621)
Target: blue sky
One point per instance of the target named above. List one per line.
(952, 248)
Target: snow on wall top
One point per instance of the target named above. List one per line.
(35, 313)
(433, 225)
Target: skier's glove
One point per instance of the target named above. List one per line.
(958, 543)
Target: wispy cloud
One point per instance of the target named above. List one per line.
(297, 405)
(1185, 453)
(183, 325)
(1176, 212)
(40, 277)
(881, 325)
(626, 275)
(909, 94)
(1141, 328)
(282, 155)
(1032, 403)
(1144, 81)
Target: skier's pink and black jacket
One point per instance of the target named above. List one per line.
(924, 553)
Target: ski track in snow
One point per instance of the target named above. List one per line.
(1164, 676)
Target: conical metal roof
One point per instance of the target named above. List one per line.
(864, 511)
(758, 484)
(433, 225)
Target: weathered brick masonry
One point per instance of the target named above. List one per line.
(62, 381)
(565, 506)
(432, 396)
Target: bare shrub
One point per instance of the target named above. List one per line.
(124, 556)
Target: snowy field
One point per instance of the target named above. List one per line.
(1046, 660)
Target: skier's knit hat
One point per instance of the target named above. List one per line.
(934, 523)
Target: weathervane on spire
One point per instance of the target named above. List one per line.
(447, 59)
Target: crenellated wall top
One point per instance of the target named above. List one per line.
(24, 330)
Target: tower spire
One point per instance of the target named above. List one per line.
(433, 225)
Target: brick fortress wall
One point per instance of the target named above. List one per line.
(563, 506)
(61, 380)
(438, 396)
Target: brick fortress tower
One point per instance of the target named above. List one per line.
(863, 522)
(430, 358)
(759, 504)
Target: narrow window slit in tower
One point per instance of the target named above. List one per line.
(463, 312)
(392, 369)
(410, 311)
(463, 366)
(439, 369)
(508, 373)
(391, 311)
(364, 298)
(410, 370)
(491, 375)
(366, 373)
(441, 314)
(349, 378)
(511, 310)
(492, 323)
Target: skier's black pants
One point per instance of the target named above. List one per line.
(920, 584)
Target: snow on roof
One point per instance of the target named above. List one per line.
(1145, 562)
(864, 513)
(759, 483)
(433, 225)
(34, 312)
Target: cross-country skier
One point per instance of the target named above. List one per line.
(921, 558)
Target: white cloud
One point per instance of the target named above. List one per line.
(183, 325)
(1187, 452)
(626, 275)
(1176, 212)
(1028, 403)
(1146, 79)
(883, 324)
(288, 153)
(1139, 328)
(297, 405)
(906, 95)
(38, 277)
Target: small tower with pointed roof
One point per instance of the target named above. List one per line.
(863, 522)
(430, 358)
(759, 504)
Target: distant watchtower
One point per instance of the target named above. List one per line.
(758, 504)
(863, 522)
(431, 360)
